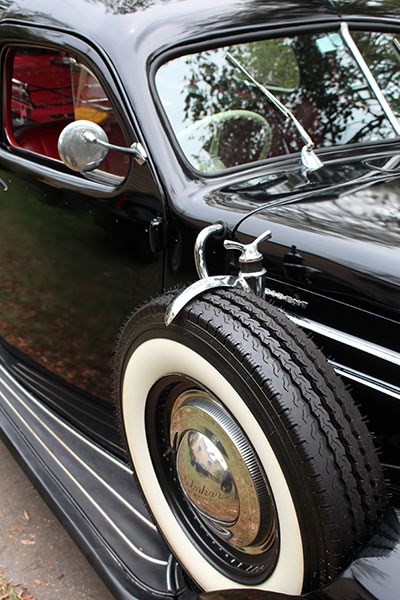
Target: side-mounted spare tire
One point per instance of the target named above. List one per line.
(250, 453)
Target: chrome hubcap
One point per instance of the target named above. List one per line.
(220, 474)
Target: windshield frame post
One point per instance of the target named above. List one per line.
(373, 84)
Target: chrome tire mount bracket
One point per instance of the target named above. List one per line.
(250, 277)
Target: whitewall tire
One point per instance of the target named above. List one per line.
(252, 457)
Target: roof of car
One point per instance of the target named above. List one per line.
(168, 22)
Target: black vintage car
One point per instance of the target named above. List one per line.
(200, 275)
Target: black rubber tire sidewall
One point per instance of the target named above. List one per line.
(236, 358)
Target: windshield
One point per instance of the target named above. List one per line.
(221, 120)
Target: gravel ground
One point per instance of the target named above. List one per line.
(35, 550)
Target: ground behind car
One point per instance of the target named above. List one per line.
(35, 550)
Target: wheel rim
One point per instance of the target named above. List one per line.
(213, 480)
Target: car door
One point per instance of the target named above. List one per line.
(75, 257)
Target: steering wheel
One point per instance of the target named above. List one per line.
(201, 141)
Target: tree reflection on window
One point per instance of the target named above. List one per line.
(315, 76)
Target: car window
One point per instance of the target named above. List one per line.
(222, 120)
(49, 90)
(381, 52)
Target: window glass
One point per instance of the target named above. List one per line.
(381, 51)
(221, 119)
(50, 89)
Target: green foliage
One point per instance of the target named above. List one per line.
(314, 75)
(272, 62)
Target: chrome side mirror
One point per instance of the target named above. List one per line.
(83, 146)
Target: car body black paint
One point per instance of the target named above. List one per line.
(84, 244)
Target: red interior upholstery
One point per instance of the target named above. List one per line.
(41, 138)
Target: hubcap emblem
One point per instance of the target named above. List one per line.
(206, 478)
(220, 474)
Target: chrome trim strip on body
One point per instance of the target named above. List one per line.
(41, 385)
(367, 380)
(71, 476)
(285, 298)
(81, 438)
(49, 413)
(346, 339)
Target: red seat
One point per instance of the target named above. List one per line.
(41, 138)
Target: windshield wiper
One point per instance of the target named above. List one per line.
(309, 159)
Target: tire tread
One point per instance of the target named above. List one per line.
(325, 428)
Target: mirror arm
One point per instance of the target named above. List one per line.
(136, 148)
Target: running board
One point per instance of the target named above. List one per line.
(93, 494)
